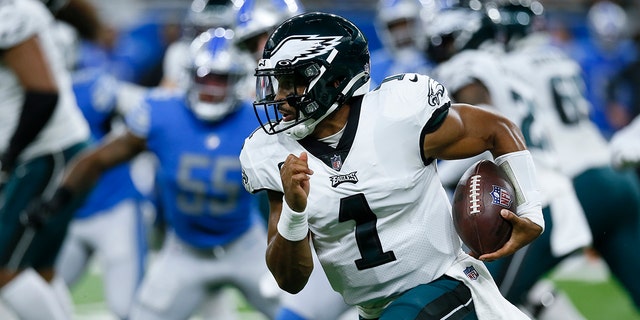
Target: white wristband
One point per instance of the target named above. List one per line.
(292, 225)
(521, 171)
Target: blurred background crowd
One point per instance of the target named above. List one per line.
(602, 35)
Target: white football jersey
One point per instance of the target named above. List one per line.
(561, 105)
(513, 96)
(22, 19)
(379, 216)
(510, 94)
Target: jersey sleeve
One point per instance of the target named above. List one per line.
(467, 67)
(260, 169)
(138, 120)
(20, 21)
(413, 99)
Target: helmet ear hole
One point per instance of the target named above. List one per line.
(336, 82)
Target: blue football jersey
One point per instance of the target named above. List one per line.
(95, 92)
(199, 175)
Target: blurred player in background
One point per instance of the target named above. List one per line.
(41, 130)
(559, 105)
(462, 41)
(202, 15)
(218, 16)
(601, 54)
(216, 237)
(398, 26)
(114, 203)
(613, 207)
(256, 20)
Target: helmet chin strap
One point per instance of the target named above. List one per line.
(305, 128)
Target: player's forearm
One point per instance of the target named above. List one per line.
(37, 109)
(290, 262)
(83, 174)
(87, 169)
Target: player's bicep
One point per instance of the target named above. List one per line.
(28, 62)
(468, 131)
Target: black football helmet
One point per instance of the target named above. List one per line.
(324, 53)
(206, 14)
(55, 5)
(518, 18)
(456, 29)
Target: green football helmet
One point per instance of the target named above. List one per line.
(325, 54)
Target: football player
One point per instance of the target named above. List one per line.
(470, 65)
(398, 24)
(202, 16)
(114, 202)
(256, 20)
(354, 172)
(41, 129)
(613, 207)
(216, 237)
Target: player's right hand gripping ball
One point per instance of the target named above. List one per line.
(482, 192)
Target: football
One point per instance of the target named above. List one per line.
(483, 190)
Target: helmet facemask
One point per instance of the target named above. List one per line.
(212, 97)
(215, 73)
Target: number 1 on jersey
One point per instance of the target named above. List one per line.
(356, 208)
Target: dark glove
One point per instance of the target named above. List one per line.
(5, 171)
(39, 211)
(36, 214)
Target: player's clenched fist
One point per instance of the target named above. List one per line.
(295, 175)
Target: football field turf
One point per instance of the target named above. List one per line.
(597, 299)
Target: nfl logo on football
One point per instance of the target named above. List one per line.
(471, 273)
(501, 196)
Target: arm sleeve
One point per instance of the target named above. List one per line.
(37, 109)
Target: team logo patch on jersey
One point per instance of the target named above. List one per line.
(501, 197)
(336, 162)
(471, 272)
(212, 142)
(436, 93)
(342, 178)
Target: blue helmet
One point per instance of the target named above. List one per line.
(257, 18)
(215, 73)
